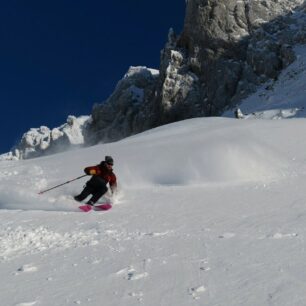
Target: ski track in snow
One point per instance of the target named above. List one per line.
(27, 268)
(24, 241)
(20, 241)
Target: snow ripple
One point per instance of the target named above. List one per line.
(23, 241)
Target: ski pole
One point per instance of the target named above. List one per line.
(41, 192)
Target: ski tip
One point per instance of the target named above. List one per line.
(85, 208)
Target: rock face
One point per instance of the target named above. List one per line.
(126, 110)
(226, 49)
(231, 46)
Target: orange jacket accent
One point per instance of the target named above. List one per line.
(107, 174)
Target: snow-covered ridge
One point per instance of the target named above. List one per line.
(43, 140)
(279, 99)
(141, 70)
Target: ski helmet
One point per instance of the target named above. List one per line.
(109, 160)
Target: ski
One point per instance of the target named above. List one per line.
(85, 208)
(104, 206)
(98, 207)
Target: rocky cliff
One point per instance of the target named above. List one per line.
(226, 49)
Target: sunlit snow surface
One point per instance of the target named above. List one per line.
(209, 212)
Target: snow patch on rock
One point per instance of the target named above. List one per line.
(43, 140)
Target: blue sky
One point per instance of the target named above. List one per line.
(60, 57)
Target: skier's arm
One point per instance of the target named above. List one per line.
(113, 188)
(93, 170)
(113, 184)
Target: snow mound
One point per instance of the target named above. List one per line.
(193, 152)
(199, 151)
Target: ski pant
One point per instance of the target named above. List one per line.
(95, 186)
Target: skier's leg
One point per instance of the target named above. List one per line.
(84, 194)
(97, 194)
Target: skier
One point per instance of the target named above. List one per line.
(102, 174)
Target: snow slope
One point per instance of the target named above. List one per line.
(211, 211)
